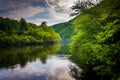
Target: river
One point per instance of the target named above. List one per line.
(36, 63)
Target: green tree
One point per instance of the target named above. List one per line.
(23, 24)
(13, 32)
(43, 24)
(96, 44)
(83, 5)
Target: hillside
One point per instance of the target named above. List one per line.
(13, 32)
(66, 30)
(95, 47)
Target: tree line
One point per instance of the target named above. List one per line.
(13, 32)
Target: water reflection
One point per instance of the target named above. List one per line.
(75, 72)
(64, 47)
(87, 74)
(88, 66)
(34, 63)
(21, 55)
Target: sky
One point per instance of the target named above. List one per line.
(37, 11)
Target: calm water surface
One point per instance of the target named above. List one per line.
(35, 63)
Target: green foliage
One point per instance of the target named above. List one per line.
(23, 26)
(66, 30)
(43, 24)
(82, 5)
(9, 26)
(96, 44)
(13, 32)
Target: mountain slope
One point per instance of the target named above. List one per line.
(96, 44)
(66, 30)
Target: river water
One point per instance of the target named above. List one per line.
(49, 62)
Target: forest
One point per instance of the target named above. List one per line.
(13, 32)
(96, 46)
(66, 30)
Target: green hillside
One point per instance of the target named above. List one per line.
(13, 32)
(66, 30)
(96, 46)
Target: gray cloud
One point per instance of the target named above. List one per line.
(21, 8)
(11, 5)
(24, 12)
(33, 10)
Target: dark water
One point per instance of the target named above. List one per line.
(35, 63)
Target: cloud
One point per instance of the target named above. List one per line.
(64, 4)
(17, 9)
(57, 12)
(36, 11)
(49, 21)
(24, 12)
(60, 6)
(50, 16)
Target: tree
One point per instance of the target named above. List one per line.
(82, 5)
(23, 24)
(44, 24)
